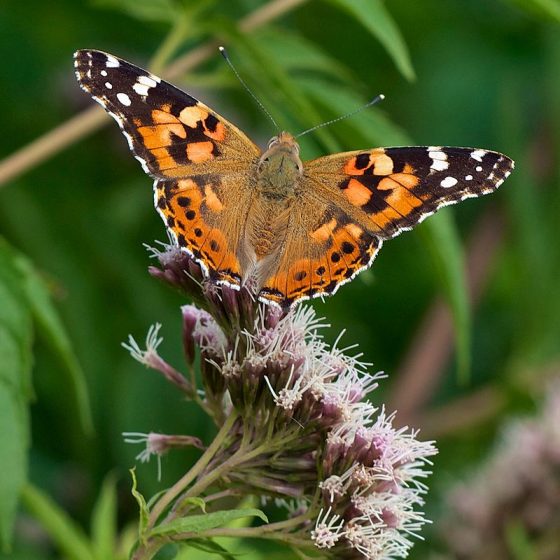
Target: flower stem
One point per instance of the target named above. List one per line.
(199, 466)
(170, 44)
(251, 532)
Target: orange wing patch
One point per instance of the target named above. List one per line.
(337, 253)
(190, 212)
(175, 142)
(357, 193)
(375, 162)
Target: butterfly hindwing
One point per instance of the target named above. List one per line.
(171, 133)
(323, 249)
(389, 190)
(203, 214)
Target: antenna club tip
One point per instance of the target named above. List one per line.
(223, 51)
(381, 96)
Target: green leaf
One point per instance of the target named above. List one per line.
(371, 124)
(373, 15)
(104, 521)
(199, 523)
(64, 532)
(15, 389)
(547, 8)
(208, 546)
(195, 501)
(144, 513)
(13, 449)
(166, 11)
(440, 233)
(51, 327)
(294, 53)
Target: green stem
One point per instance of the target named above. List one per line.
(170, 44)
(251, 532)
(162, 504)
(241, 456)
(235, 460)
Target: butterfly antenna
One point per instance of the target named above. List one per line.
(257, 101)
(375, 100)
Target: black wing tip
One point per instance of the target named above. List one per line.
(80, 53)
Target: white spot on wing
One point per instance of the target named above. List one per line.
(112, 62)
(479, 168)
(108, 85)
(469, 178)
(143, 84)
(478, 154)
(439, 159)
(439, 165)
(147, 81)
(103, 73)
(141, 89)
(124, 99)
(449, 182)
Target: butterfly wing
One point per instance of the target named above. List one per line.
(205, 214)
(390, 190)
(353, 201)
(324, 248)
(170, 133)
(200, 161)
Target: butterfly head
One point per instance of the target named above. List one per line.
(280, 167)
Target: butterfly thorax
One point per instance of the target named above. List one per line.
(277, 181)
(279, 169)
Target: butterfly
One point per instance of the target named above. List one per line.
(290, 229)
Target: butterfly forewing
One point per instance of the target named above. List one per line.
(170, 133)
(389, 190)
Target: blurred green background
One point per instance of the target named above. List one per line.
(482, 73)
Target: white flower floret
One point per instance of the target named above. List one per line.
(149, 356)
(327, 531)
(152, 447)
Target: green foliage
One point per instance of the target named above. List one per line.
(206, 546)
(141, 501)
(443, 240)
(520, 546)
(198, 523)
(24, 299)
(16, 334)
(163, 11)
(374, 16)
(68, 537)
(546, 8)
(104, 521)
(63, 530)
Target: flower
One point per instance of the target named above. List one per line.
(159, 445)
(516, 488)
(294, 423)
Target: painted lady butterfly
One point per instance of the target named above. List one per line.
(294, 229)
